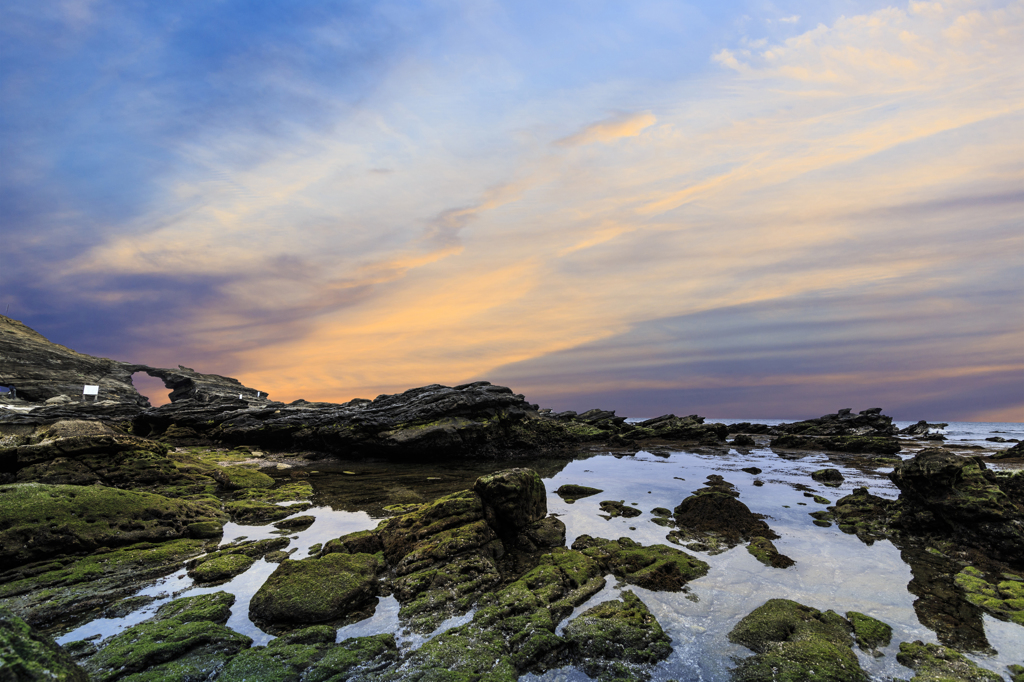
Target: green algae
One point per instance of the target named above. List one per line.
(794, 643)
(40, 520)
(237, 478)
(937, 663)
(328, 588)
(1004, 599)
(869, 632)
(30, 656)
(185, 638)
(615, 639)
(765, 551)
(655, 567)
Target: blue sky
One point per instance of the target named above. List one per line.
(752, 209)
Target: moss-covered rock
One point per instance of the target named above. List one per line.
(354, 657)
(656, 567)
(60, 592)
(512, 500)
(871, 634)
(612, 509)
(252, 512)
(937, 663)
(186, 639)
(765, 551)
(30, 656)
(831, 477)
(570, 492)
(795, 643)
(1000, 595)
(617, 640)
(865, 515)
(333, 587)
(40, 521)
(853, 444)
(237, 478)
(942, 493)
(295, 524)
(712, 519)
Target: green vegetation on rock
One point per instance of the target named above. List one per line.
(870, 633)
(30, 656)
(1003, 598)
(616, 639)
(237, 478)
(328, 588)
(795, 643)
(937, 663)
(657, 567)
(41, 521)
(764, 550)
(186, 639)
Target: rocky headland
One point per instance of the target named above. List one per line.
(100, 498)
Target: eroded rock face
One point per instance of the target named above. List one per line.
(52, 376)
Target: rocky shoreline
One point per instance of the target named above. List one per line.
(99, 499)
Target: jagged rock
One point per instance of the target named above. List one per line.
(62, 591)
(921, 428)
(41, 370)
(311, 655)
(936, 663)
(869, 422)
(31, 656)
(795, 643)
(612, 509)
(748, 428)
(743, 441)
(960, 497)
(864, 514)
(843, 443)
(1013, 452)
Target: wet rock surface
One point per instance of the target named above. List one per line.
(936, 663)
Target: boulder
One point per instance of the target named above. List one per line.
(331, 588)
(512, 500)
(571, 492)
(830, 477)
(796, 643)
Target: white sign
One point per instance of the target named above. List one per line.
(90, 390)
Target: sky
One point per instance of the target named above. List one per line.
(751, 209)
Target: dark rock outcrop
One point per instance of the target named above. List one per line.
(851, 444)
(869, 422)
(921, 428)
(41, 370)
(959, 497)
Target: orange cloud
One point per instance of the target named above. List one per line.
(618, 127)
